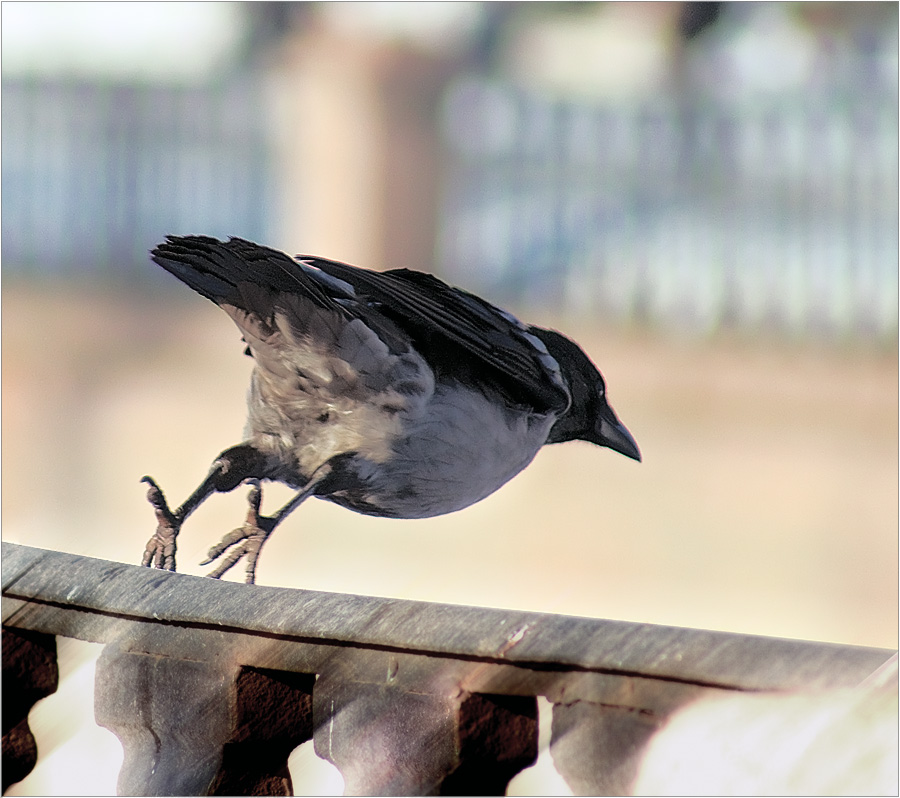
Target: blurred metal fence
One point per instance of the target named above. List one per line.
(776, 215)
(94, 174)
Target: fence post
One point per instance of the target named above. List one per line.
(171, 715)
(30, 673)
(597, 748)
(386, 740)
(199, 728)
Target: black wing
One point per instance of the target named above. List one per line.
(455, 331)
(452, 326)
(221, 271)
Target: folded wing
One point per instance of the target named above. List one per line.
(277, 302)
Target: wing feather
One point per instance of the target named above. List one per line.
(438, 316)
(277, 301)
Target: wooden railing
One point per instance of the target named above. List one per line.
(210, 685)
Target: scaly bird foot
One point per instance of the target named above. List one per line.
(245, 541)
(160, 549)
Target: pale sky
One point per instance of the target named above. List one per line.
(157, 40)
(189, 40)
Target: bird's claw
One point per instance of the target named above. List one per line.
(160, 549)
(252, 538)
(245, 541)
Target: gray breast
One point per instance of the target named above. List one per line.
(312, 398)
(461, 449)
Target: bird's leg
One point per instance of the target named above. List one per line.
(253, 533)
(247, 540)
(228, 470)
(160, 549)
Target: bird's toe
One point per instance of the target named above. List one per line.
(246, 541)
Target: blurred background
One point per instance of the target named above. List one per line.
(704, 195)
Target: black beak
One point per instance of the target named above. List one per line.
(612, 433)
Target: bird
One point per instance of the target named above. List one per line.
(389, 393)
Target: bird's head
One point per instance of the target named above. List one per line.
(589, 417)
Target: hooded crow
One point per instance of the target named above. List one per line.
(390, 393)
